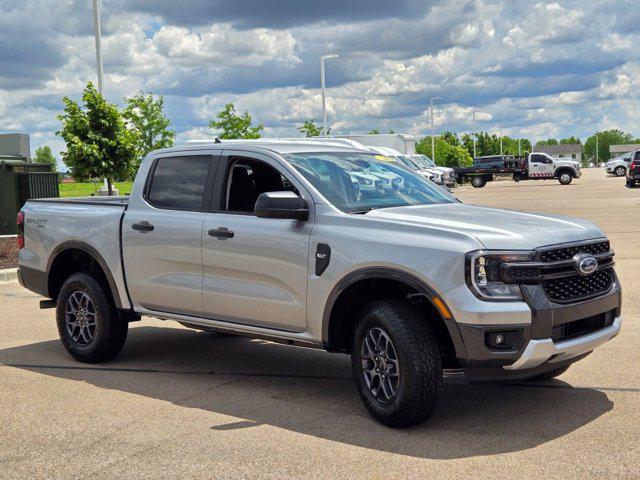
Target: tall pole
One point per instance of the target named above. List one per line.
(98, 35)
(324, 95)
(474, 133)
(597, 153)
(519, 149)
(500, 141)
(433, 138)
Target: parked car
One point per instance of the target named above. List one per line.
(269, 239)
(535, 166)
(618, 166)
(448, 174)
(633, 173)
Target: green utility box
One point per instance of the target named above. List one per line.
(21, 181)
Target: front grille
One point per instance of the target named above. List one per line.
(566, 253)
(584, 326)
(576, 288)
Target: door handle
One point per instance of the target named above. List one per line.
(221, 232)
(143, 227)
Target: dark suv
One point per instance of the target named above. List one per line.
(633, 173)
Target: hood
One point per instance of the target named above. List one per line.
(565, 161)
(495, 228)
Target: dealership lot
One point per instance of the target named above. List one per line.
(183, 403)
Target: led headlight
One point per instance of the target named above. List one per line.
(483, 274)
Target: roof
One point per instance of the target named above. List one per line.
(562, 149)
(624, 148)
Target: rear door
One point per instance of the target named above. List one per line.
(162, 234)
(255, 269)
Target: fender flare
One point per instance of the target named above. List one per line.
(85, 247)
(391, 274)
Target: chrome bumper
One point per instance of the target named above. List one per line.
(538, 352)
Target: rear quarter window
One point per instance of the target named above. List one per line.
(179, 183)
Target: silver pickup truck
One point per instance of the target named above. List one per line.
(270, 239)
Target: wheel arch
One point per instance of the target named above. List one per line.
(73, 257)
(568, 170)
(336, 323)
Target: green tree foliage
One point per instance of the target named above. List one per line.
(549, 141)
(489, 144)
(446, 154)
(145, 115)
(374, 131)
(44, 155)
(569, 141)
(99, 145)
(310, 129)
(606, 138)
(231, 125)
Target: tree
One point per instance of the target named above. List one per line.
(310, 129)
(446, 155)
(606, 138)
(99, 145)
(44, 155)
(569, 141)
(234, 125)
(145, 115)
(549, 141)
(374, 131)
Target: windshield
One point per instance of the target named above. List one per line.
(407, 162)
(360, 182)
(423, 161)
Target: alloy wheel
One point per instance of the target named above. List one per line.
(380, 365)
(80, 318)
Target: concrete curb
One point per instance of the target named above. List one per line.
(9, 275)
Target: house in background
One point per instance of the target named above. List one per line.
(568, 150)
(618, 150)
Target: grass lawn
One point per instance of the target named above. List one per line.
(87, 189)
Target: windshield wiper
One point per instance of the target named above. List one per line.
(362, 212)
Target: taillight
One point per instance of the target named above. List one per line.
(20, 223)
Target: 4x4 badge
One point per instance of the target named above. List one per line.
(585, 264)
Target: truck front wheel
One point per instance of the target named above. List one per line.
(88, 322)
(478, 182)
(396, 363)
(565, 178)
(620, 171)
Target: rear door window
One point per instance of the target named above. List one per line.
(179, 183)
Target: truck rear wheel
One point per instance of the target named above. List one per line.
(88, 322)
(565, 178)
(396, 363)
(478, 182)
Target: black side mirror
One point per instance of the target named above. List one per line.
(281, 205)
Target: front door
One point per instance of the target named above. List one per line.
(162, 234)
(254, 269)
(540, 166)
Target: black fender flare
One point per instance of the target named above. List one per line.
(85, 247)
(391, 274)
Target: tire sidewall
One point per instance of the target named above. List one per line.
(86, 284)
(562, 180)
(619, 171)
(477, 182)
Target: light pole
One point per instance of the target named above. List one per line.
(473, 116)
(98, 35)
(324, 96)
(597, 153)
(500, 131)
(433, 138)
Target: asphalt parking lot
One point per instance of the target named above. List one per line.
(182, 404)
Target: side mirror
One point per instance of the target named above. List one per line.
(286, 205)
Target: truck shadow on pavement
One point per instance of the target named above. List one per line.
(312, 392)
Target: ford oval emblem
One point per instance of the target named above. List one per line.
(585, 264)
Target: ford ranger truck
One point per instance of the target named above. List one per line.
(269, 239)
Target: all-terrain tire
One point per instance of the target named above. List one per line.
(418, 355)
(110, 331)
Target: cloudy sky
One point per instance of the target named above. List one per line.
(535, 69)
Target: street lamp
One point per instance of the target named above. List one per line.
(500, 131)
(473, 116)
(433, 140)
(98, 35)
(324, 97)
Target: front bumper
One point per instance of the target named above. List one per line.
(539, 348)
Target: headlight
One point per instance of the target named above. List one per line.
(483, 274)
